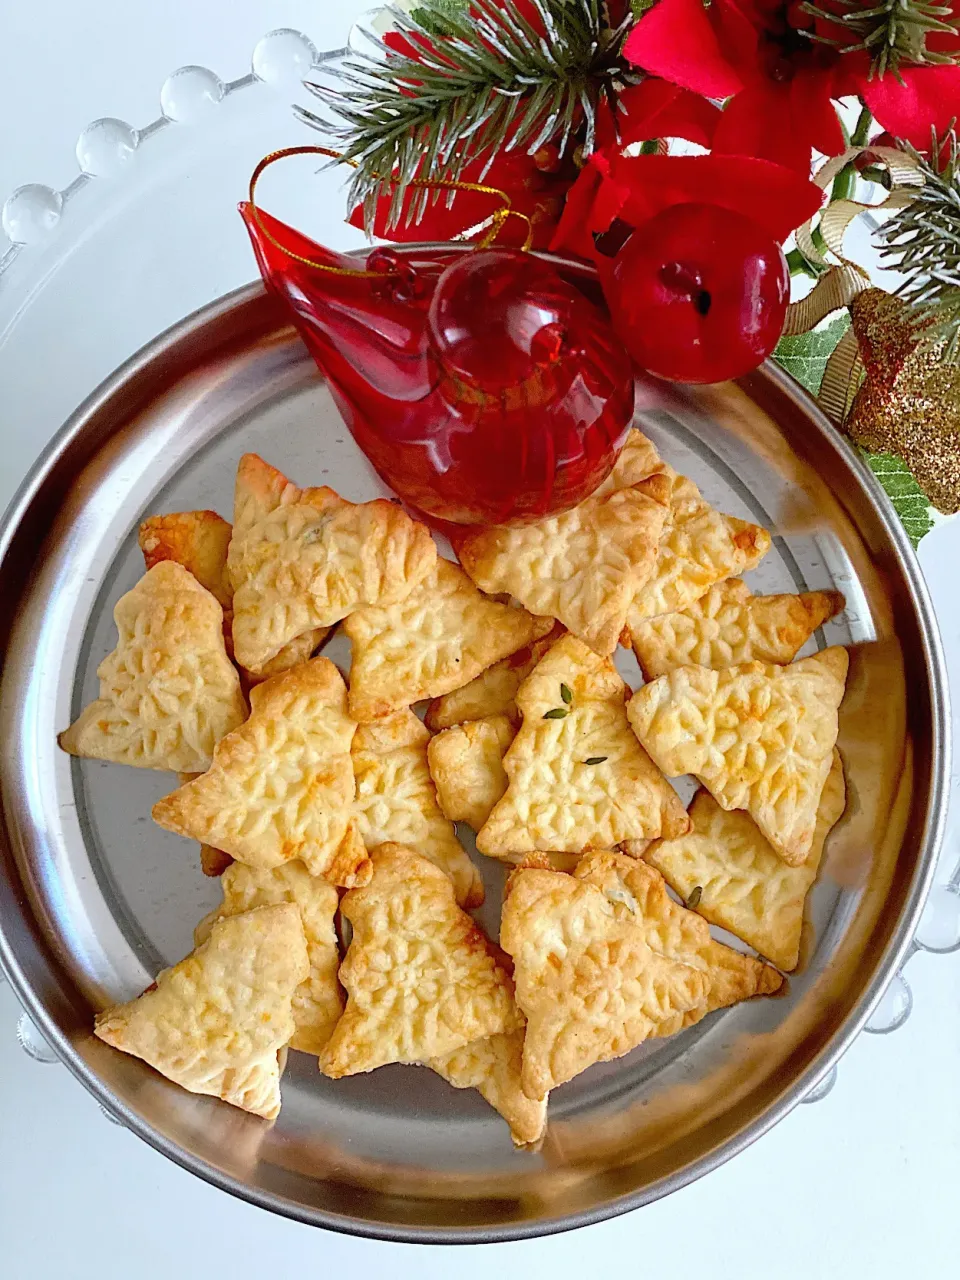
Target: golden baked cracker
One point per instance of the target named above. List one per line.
(168, 691)
(493, 1066)
(744, 886)
(304, 558)
(466, 764)
(318, 1001)
(636, 461)
(577, 779)
(759, 737)
(213, 862)
(728, 626)
(300, 649)
(443, 634)
(397, 800)
(493, 692)
(216, 1021)
(199, 540)
(421, 977)
(281, 786)
(590, 985)
(583, 567)
(196, 539)
(699, 546)
(639, 894)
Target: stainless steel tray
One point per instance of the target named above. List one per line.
(94, 898)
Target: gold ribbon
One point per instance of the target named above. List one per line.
(835, 219)
(834, 290)
(497, 219)
(843, 279)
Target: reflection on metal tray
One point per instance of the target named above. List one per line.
(94, 898)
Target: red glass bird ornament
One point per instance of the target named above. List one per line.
(482, 386)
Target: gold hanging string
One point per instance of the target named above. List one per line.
(497, 220)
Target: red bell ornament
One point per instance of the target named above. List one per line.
(699, 293)
(482, 386)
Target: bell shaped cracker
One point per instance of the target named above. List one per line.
(281, 786)
(583, 567)
(304, 558)
(216, 1021)
(318, 1001)
(168, 691)
(397, 800)
(577, 779)
(444, 633)
(466, 764)
(728, 626)
(199, 540)
(493, 692)
(699, 546)
(590, 985)
(639, 894)
(744, 886)
(758, 737)
(421, 977)
(493, 1068)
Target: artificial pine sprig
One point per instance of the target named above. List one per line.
(892, 32)
(484, 81)
(922, 242)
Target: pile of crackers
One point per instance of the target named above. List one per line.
(328, 806)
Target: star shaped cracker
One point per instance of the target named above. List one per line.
(588, 982)
(217, 1020)
(699, 546)
(199, 540)
(442, 635)
(466, 764)
(168, 691)
(305, 558)
(493, 1067)
(744, 885)
(638, 893)
(318, 1001)
(397, 800)
(422, 979)
(759, 737)
(577, 779)
(729, 626)
(583, 567)
(494, 691)
(281, 786)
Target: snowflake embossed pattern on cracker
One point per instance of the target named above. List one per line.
(536, 747)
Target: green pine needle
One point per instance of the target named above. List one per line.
(922, 243)
(909, 501)
(485, 81)
(893, 32)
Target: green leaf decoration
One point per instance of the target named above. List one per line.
(909, 501)
(805, 355)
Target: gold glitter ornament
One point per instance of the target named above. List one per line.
(909, 403)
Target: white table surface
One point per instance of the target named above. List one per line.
(866, 1182)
